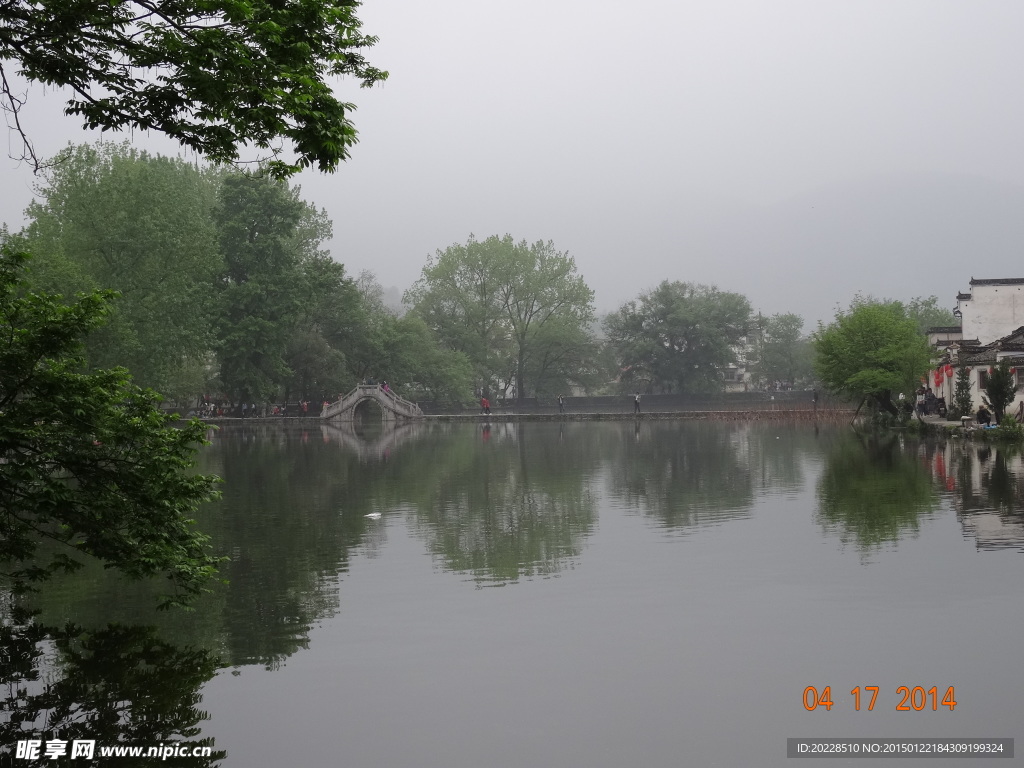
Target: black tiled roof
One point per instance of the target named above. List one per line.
(999, 281)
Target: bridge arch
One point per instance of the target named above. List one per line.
(392, 407)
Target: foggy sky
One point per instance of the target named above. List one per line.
(796, 152)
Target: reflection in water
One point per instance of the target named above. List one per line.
(372, 443)
(513, 503)
(687, 474)
(988, 489)
(872, 491)
(501, 503)
(683, 477)
(120, 685)
(693, 474)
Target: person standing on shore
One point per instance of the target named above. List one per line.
(636, 403)
(561, 404)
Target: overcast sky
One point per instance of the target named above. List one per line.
(796, 152)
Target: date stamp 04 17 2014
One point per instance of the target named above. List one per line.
(909, 699)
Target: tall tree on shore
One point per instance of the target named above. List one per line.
(870, 351)
(926, 313)
(1001, 388)
(111, 217)
(679, 336)
(260, 290)
(783, 354)
(499, 302)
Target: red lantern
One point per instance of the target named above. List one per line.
(949, 371)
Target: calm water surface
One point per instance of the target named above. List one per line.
(583, 594)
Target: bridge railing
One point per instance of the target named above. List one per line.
(387, 399)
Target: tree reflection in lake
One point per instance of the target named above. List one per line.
(872, 491)
(500, 504)
(511, 502)
(120, 685)
(701, 473)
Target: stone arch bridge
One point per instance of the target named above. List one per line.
(392, 407)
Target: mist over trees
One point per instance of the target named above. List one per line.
(223, 283)
(679, 337)
(783, 355)
(225, 286)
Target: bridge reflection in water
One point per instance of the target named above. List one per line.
(372, 446)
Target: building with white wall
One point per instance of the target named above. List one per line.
(992, 330)
(992, 309)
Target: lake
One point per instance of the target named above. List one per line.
(657, 593)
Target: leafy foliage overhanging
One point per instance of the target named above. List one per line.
(215, 75)
(88, 465)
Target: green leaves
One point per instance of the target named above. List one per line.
(227, 73)
(871, 350)
(88, 466)
(496, 300)
(679, 336)
(1001, 388)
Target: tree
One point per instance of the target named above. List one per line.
(261, 289)
(783, 355)
(963, 403)
(499, 302)
(317, 350)
(1001, 388)
(88, 465)
(112, 217)
(926, 313)
(871, 350)
(215, 75)
(679, 336)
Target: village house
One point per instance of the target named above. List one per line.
(991, 330)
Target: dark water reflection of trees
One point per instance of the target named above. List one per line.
(873, 490)
(694, 474)
(119, 685)
(499, 503)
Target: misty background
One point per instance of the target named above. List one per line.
(797, 152)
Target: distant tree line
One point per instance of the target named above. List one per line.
(225, 287)
(223, 283)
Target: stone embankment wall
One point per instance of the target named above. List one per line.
(805, 415)
(742, 405)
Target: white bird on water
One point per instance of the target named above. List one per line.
(373, 515)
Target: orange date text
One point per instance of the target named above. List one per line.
(908, 698)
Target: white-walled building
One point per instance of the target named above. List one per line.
(992, 309)
(992, 330)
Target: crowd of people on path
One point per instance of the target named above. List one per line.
(215, 408)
